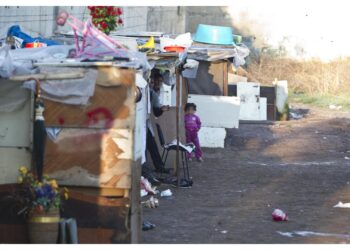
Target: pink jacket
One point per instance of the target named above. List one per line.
(192, 123)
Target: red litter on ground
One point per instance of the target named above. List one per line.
(279, 215)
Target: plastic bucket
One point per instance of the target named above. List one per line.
(214, 35)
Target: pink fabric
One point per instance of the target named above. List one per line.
(192, 126)
(192, 123)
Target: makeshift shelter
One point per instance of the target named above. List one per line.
(211, 77)
(207, 86)
(94, 142)
(92, 145)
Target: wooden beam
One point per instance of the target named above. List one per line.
(110, 192)
(177, 160)
(96, 199)
(49, 76)
(225, 87)
(135, 216)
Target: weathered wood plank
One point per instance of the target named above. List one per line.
(109, 107)
(90, 157)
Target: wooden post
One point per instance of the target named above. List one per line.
(225, 90)
(177, 125)
(135, 206)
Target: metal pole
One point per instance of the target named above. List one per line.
(177, 125)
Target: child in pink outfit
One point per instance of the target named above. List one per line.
(192, 126)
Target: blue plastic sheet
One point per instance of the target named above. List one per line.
(15, 30)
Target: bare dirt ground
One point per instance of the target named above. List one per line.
(300, 166)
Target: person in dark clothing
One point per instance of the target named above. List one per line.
(151, 143)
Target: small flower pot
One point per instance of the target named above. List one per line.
(43, 227)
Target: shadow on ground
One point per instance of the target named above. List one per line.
(299, 166)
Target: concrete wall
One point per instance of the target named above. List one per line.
(166, 19)
(32, 19)
(304, 28)
(41, 20)
(212, 15)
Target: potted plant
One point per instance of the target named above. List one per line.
(40, 203)
(106, 18)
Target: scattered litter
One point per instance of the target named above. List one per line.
(287, 234)
(279, 215)
(146, 185)
(324, 138)
(342, 205)
(309, 233)
(146, 225)
(190, 63)
(166, 193)
(241, 191)
(224, 232)
(347, 158)
(335, 107)
(151, 203)
(296, 116)
(143, 193)
(316, 132)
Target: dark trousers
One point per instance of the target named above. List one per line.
(152, 148)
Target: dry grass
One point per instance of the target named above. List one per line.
(310, 77)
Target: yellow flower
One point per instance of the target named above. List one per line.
(45, 176)
(40, 184)
(65, 189)
(23, 170)
(66, 196)
(53, 184)
(19, 179)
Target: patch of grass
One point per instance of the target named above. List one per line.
(322, 100)
(307, 76)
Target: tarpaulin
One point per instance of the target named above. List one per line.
(68, 91)
(15, 30)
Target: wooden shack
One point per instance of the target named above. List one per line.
(94, 153)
